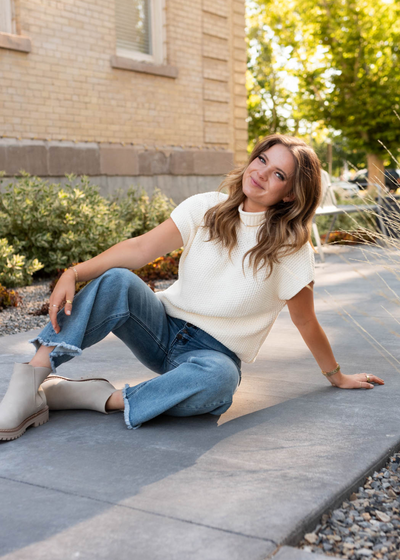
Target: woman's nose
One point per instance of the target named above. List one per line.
(263, 173)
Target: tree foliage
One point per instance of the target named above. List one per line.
(270, 100)
(349, 71)
(344, 57)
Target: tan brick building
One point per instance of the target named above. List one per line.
(148, 92)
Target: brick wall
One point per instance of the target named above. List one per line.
(65, 87)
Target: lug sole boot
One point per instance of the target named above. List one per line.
(63, 393)
(24, 404)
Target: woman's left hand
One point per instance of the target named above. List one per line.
(356, 381)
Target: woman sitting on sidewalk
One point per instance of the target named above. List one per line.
(246, 254)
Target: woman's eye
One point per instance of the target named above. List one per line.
(281, 177)
(261, 159)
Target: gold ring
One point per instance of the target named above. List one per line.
(68, 301)
(54, 305)
(367, 377)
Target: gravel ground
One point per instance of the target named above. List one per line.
(18, 319)
(15, 320)
(367, 526)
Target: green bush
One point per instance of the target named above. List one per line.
(15, 270)
(141, 212)
(59, 225)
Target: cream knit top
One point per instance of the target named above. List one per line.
(213, 293)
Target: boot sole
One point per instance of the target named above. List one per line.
(35, 420)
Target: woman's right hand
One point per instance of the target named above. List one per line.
(62, 294)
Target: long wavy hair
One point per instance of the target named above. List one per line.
(287, 225)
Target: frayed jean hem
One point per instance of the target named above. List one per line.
(127, 410)
(60, 348)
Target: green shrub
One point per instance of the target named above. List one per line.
(141, 212)
(59, 225)
(15, 270)
(8, 298)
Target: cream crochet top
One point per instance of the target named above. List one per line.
(213, 293)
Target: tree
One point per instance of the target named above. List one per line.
(350, 71)
(345, 56)
(270, 100)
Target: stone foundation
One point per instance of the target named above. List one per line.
(178, 172)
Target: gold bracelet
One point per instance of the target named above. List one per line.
(329, 373)
(75, 272)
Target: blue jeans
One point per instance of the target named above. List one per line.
(198, 374)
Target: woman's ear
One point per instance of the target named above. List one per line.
(289, 197)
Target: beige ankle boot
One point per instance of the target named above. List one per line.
(24, 404)
(65, 394)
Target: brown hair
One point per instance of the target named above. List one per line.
(287, 225)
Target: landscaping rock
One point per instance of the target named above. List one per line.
(372, 516)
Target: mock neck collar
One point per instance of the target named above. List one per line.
(251, 218)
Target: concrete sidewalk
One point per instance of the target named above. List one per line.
(236, 487)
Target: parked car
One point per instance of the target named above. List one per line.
(392, 179)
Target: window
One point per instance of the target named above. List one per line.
(139, 29)
(6, 17)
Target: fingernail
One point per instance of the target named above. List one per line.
(68, 312)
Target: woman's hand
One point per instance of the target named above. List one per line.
(62, 294)
(355, 381)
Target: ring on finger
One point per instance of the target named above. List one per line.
(68, 301)
(54, 305)
(368, 378)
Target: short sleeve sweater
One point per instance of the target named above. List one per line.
(212, 292)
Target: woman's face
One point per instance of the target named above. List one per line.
(268, 179)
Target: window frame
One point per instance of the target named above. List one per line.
(7, 14)
(157, 24)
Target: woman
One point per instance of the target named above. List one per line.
(246, 255)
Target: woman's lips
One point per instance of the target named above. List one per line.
(255, 183)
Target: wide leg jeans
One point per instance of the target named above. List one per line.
(197, 374)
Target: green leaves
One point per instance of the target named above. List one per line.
(359, 86)
(334, 62)
(59, 225)
(142, 212)
(15, 270)
(270, 97)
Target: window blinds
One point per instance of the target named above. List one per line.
(133, 25)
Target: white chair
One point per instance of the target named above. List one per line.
(329, 207)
